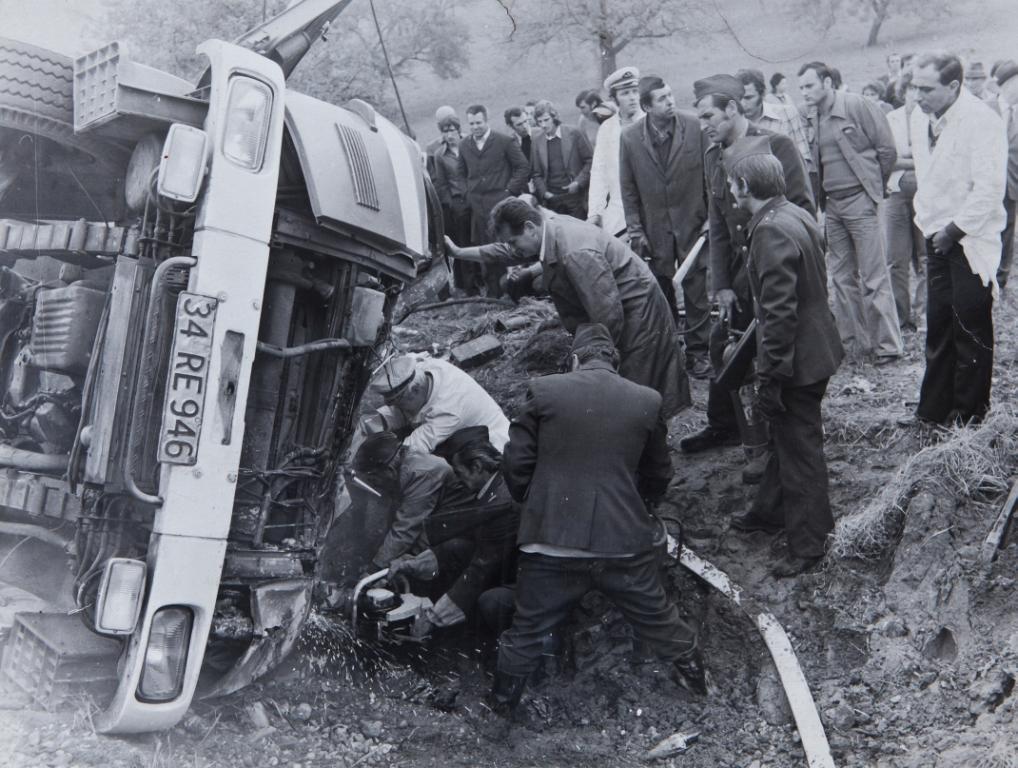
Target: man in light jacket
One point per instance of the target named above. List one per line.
(961, 170)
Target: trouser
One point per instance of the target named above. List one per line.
(793, 491)
(959, 339)
(720, 406)
(571, 204)
(696, 303)
(465, 274)
(1007, 237)
(863, 300)
(902, 241)
(548, 588)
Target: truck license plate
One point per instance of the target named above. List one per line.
(187, 379)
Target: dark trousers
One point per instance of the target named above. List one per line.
(793, 491)
(720, 406)
(465, 274)
(696, 303)
(1007, 254)
(571, 204)
(548, 588)
(959, 339)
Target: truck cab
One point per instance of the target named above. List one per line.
(196, 281)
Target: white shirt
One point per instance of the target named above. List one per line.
(604, 195)
(456, 401)
(479, 143)
(963, 180)
(902, 126)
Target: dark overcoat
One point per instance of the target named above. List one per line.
(593, 277)
(666, 202)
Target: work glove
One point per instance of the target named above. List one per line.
(423, 567)
(422, 627)
(767, 403)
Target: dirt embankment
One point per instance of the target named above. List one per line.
(908, 640)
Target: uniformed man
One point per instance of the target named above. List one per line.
(798, 350)
(718, 105)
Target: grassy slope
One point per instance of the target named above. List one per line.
(499, 77)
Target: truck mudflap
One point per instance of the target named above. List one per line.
(195, 500)
(278, 610)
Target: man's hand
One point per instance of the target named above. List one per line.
(423, 566)
(573, 188)
(728, 303)
(451, 247)
(595, 219)
(548, 195)
(638, 243)
(422, 627)
(942, 242)
(767, 403)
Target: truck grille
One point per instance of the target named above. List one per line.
(53, 657)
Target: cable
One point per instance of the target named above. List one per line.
(388, 66)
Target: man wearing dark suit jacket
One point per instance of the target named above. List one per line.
(720, 111)
(585, 456)
(495, 168)
(661, 174)
(798, 350)
(560, 163)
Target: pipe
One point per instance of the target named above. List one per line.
(369, 579)
(321, 345)
(32, 461)
(47, 535)
(688, 262)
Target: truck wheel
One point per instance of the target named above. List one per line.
(36, 96)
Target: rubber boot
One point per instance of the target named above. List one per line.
(689, 672)
(495, 720)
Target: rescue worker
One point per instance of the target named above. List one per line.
(586, 450)
(594, 277)
(431, 399)
(455, 548)
(798, 350)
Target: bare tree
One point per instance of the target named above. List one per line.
(608, 26)
(348, 65)
(876, 12)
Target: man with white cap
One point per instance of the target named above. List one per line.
(442, 114)
(604, 198)
(432, 399)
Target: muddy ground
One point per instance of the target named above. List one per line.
(909, 643)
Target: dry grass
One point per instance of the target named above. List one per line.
(964, 463)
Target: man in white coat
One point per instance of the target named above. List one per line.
(604, 197)
(961, 170)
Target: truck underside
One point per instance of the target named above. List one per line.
(119, 304)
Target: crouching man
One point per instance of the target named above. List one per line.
(798, 350)
(585, 457)
(453, 547)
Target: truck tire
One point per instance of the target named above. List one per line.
(37, 96)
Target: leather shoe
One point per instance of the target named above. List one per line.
(698, 367)
(790, 565)
(709, 437)
(747, 522)
(690, 673)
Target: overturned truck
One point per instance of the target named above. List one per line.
(194, 283)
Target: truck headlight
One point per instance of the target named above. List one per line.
(162, 677)
(248, 111)
(118, 601)
(182, 166)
